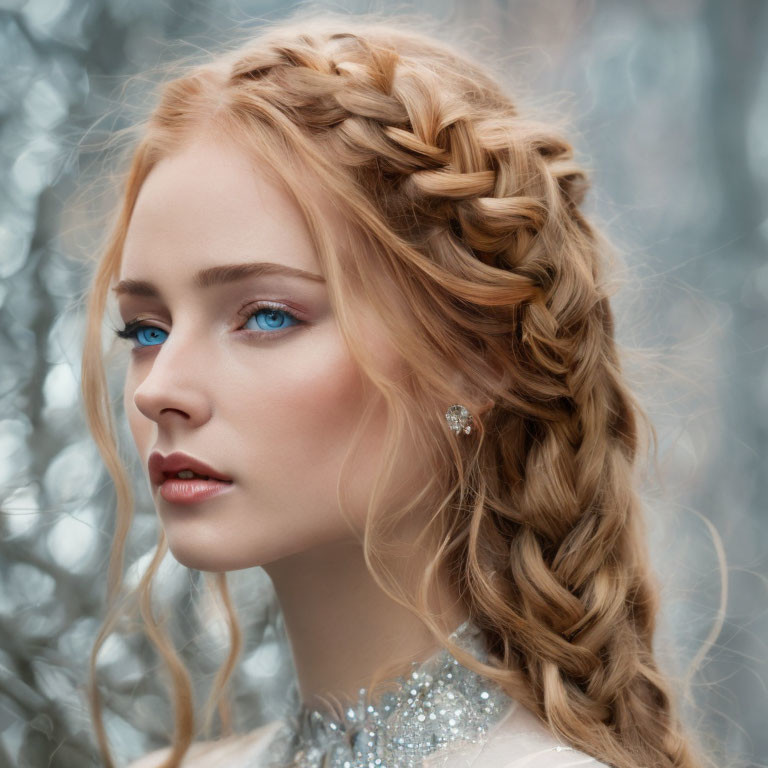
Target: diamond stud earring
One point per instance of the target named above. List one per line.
(459, 419)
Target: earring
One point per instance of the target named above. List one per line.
(459, 419)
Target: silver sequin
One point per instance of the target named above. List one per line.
(439, 705)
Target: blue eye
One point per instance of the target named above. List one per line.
(147, 336)
(273, 318)
(143, 335)
(262, 321)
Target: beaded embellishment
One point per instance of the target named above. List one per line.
(439, 704)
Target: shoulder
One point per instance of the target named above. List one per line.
(239, 749)
(519, 740)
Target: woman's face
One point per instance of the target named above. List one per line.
(239, 366)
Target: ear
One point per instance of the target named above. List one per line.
(468, 395)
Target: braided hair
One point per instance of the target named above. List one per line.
(465, 223)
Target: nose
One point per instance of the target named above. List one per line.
(174, 391)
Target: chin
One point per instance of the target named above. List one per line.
(200, 561)
(201, 558)
(207, 558)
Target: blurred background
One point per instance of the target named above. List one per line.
(666, 102)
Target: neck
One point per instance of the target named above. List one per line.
(341, 625)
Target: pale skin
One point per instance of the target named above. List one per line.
(268, 400)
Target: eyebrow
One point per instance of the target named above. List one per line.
(221, 275)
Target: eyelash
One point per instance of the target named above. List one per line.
(132, 328)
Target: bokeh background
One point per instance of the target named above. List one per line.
(666, 102)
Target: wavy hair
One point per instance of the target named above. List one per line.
(467, 240)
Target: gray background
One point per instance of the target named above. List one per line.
(667, 104)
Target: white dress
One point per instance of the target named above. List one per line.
(442, 715)
(519, 740)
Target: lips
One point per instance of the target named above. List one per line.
(198, 481)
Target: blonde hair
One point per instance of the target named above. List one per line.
(467, 226)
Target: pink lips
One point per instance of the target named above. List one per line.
(206, 482)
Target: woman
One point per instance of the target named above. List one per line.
(373, 353)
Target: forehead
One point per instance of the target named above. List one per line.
(210, 203)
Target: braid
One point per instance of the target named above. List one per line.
(455, 171)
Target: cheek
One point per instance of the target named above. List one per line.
(301, 414)
(299, 422)
(142, 429)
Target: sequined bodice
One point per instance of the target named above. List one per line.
(440, 704)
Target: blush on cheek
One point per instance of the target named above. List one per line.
(296, 426)
(311, 406)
